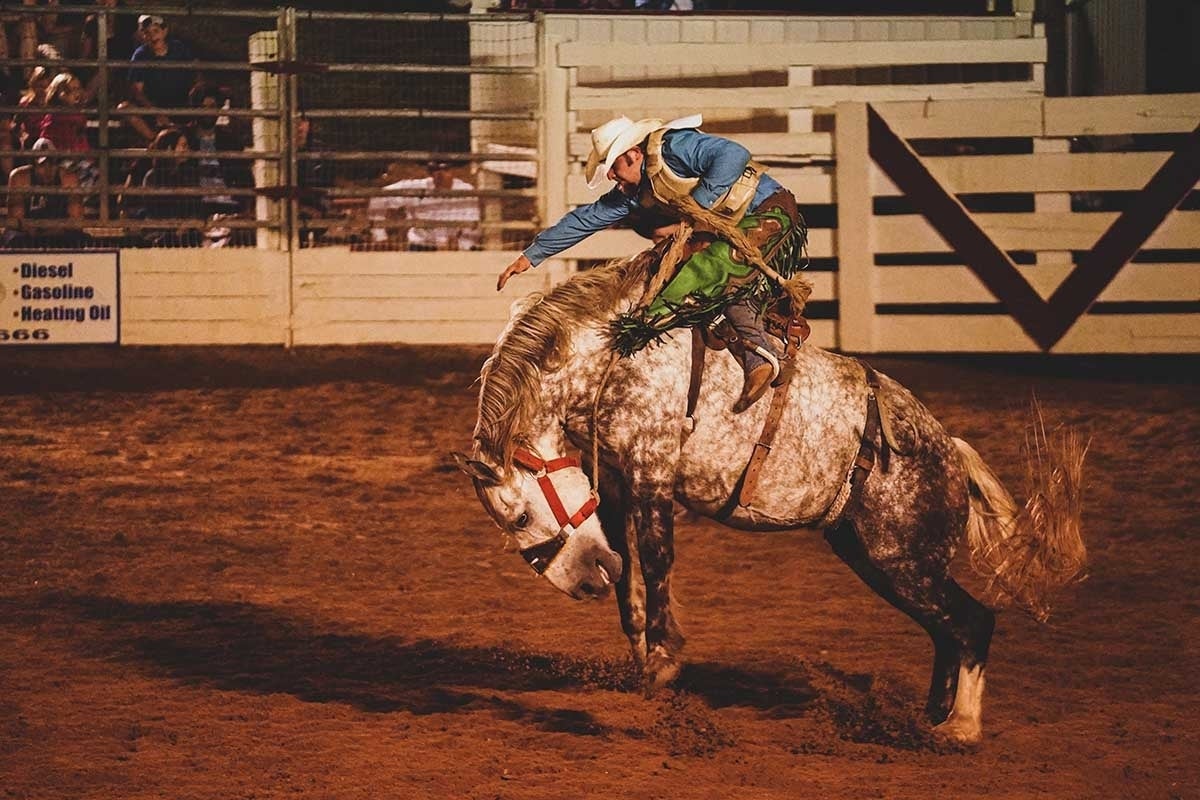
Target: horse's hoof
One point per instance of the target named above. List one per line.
(960, 731)
(637, 648)
(660, 671)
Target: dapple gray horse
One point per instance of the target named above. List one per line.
(897, 531)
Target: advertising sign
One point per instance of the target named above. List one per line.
(60, 298)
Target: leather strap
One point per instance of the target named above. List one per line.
(864, 461)
(584, 512)
(541, 554)
(530, 461)
(698, 348)
(543, 468)
(743, 490)
(762, 448)
(551, 495)
(885, 447)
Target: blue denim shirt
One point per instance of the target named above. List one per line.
(717, 162)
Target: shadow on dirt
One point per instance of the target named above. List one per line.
(251, 648)
(150, 369)
(27, 370)
(777, 696)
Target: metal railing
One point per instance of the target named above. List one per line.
(280, 73)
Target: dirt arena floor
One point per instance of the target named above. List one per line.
(250, 573)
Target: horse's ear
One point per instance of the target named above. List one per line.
(484, 473)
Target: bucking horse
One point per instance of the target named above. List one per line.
(851, 453)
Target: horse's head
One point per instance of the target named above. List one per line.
(548, 507)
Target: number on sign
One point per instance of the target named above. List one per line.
(24, 335)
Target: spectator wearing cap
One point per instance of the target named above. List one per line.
(462, 211)
(62, 212)
(157, 88)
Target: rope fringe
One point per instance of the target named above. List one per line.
(633, 331)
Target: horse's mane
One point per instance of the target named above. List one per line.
(536, 341)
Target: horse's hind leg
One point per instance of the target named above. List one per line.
(959, 625)
(972, 624)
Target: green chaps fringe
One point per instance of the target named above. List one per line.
(644, 326)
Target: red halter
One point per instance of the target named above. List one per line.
(541, 554)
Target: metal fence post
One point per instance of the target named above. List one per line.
(288, 108)
(102, 22)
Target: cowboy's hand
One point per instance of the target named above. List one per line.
(515, 268)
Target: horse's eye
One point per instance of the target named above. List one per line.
(522, 521)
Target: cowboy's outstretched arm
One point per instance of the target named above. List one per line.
(574, 227)
(521, 264)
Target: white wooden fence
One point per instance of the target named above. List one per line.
(773, 84)
(1153, 306)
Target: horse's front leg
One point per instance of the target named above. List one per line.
(616, 518)
(653, 521)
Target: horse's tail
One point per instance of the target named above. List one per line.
(1028, 553)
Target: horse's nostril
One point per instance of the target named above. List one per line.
(587, 589)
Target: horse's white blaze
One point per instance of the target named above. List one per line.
(965, 723)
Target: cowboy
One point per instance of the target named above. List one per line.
(748, 229)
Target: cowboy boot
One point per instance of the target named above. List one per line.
(758, 352)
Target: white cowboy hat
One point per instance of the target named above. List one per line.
(619, 135)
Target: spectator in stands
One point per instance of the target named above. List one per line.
(122, 39)
(8, 128)
(5, 54)
(26, 205)
(173, 167)
(123, 34)
(462, 210)
(565, 5)
(157, 88)
(27, 34)
(66, 126)
(670, 5)
(28, 123)
(209, 136)
(62, 32)
(315, 177)
(63, 123)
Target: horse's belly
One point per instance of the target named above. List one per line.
(762, 513)
(786, 495)
(810, 454)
